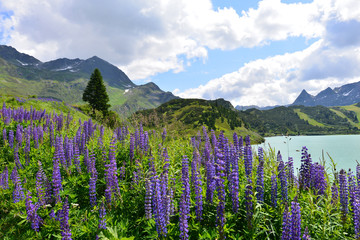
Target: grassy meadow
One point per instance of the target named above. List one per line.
(65, 176)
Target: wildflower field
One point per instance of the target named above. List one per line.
(67, 177)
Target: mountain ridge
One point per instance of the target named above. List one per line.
(65, 79)
(344, 95)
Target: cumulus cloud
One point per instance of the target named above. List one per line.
(331, 61)
(145, 38)
(149, 37)
(279, 79)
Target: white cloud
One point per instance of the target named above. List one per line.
(149, 37)
(279, 79)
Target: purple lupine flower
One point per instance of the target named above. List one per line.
(211, 184)
(319, 183)
(295, 221)
(248, 157)
(64, 221)
(184, 206)
(260, 177)
(158, 209)
(306, 235)
(56, 177)
(40, 181)
(18, 193)
(248, 202)
(11, 138)
(196, 182)
(19, 131)
(283, 180)
(69, 152)
(92, 180)
(111, 170)
(36, 138)
(32, 216)
(356, 218)
(163, 135)
(52, 214)
(48, 191)
(358, 174)
(343, 193)
(220, 174)
(286, 225)
(60, 151)
(102, 214)
(148, 199)
(274, 190)
(305, 169)
(5, 178)
(92, 188)
(334, 194)
(351, 188)
(213, 138)
(234, 180)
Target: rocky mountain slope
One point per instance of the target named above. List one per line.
(65, 79)
(341, 96)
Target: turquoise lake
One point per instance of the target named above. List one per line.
(343, 149)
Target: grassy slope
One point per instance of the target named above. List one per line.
(306, 117)
(342, 115)
(187, 116)
(355, 109)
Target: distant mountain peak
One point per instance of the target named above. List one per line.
(10, 54)
(341, 96)
(304, 97)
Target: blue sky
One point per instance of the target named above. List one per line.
(248, 52)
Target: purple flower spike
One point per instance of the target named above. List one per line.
(64, 221)
(32, 216)
(286, 225)
(260, 177)
(148, 197)
(295, 221)
(184, 206)
(306, 235)
(343, 194)
(102, 214)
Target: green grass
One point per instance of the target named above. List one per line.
(355, 109)
(340, 114)
(305, 117)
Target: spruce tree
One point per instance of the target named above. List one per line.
(95, 93)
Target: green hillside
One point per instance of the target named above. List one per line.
(66, 79)
(301, 120)
(187, 116)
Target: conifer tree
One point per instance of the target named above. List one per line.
(95, 93)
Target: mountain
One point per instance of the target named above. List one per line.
(341, 96)
(65, 79)
(302, 120)
(187, 116)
